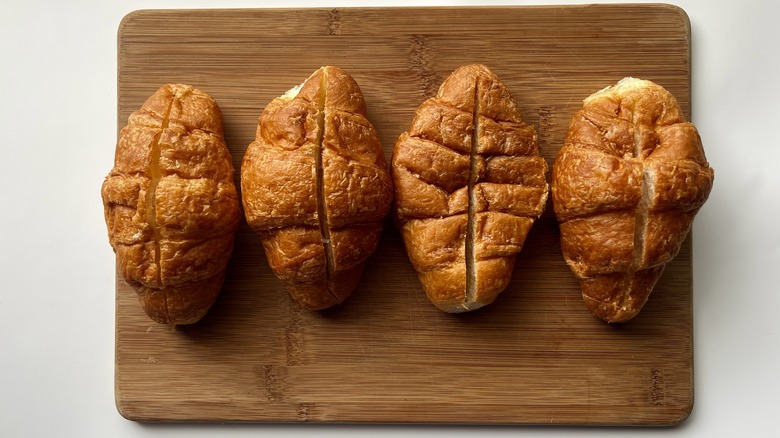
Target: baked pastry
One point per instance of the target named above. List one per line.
(626, 186)
(170, 204)
(315, 186)
(469, 183)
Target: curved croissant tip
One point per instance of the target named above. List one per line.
(610, 313)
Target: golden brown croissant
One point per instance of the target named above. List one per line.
(469, 183)
(170, 204)
(626, 186)
(315, 186)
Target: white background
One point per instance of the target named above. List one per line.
(57, 131)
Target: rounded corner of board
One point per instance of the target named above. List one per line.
(128, 20)
(122, 409)
(679, 12)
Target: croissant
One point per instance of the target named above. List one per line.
(626, 186)
(315, 187)
(170, 204)
(469, 183)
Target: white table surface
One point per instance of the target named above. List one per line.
(57, 130)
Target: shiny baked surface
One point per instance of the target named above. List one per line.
(170, 204)
(315, 185)
(626, 186)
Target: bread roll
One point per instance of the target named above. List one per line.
(315, 186)
(626, 185)
(469, 183)
(170, 204)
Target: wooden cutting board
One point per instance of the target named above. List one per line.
(536, 356)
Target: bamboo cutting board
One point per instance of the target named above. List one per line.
(536, 356)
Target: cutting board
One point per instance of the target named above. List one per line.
(535, 356)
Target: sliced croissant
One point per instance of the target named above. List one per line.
(626, 186)
(170, 204)
(469, 183)
(315, 186)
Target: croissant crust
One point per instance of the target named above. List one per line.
(315, 186)
(170, 204)
(626, 186)
(469, 183)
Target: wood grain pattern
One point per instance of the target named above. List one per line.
(536, 356)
